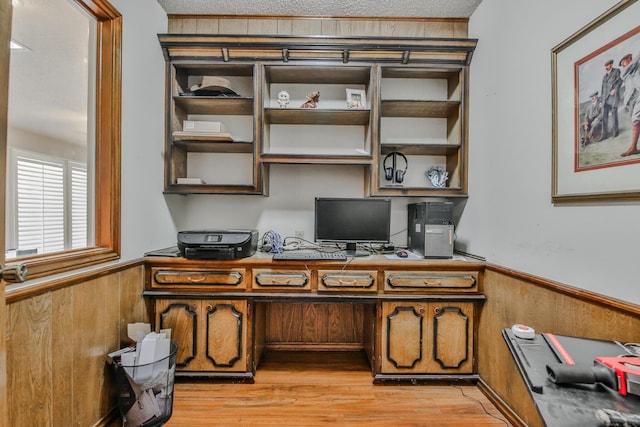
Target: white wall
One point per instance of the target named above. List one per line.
(146, 221)
(509, 217)
(150, 220)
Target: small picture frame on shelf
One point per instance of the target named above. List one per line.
(356, 99)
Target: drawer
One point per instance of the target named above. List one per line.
(281, 279)
(433, 281)
(233, 278)
(352, 281)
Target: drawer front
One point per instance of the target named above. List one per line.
(433, 281)
(268, 279)
(234, 278)
(352, 281)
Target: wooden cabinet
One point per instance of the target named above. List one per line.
(328, 133)
(413, 319)
(199, 154)
(413, 118)
(420, 337)
(212, 335)
(422, 117)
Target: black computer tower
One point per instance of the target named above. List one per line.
(430, 229)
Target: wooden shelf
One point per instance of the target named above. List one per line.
(318, 74)
(209, 189)
(315, 159)
(214, 105)
(405, 108)
(421, 149)
(204, 146)
(313, 116)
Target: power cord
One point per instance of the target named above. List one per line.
(272, 242)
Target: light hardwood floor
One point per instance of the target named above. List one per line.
(330, 388)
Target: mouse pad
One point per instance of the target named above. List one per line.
(411, 256)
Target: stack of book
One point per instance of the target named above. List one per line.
(202, 131)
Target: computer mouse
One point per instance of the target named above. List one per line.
(402, 254)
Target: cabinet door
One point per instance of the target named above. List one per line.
(405, 331)
(427, 338)
(182, 317)
(226, 335)
(212, 336)
(453, 337)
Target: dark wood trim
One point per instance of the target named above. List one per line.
(581, 294)
(20, 292)
(447, 51)
(108, 152)
(65, 261)
(319, 18)
(502, 406)
(5, 36)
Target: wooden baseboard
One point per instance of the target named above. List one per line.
(502, 406)
(111, 419)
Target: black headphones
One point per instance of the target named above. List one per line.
(393, 173)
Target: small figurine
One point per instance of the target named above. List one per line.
(312, 100)
(438, 176)
(283, 99)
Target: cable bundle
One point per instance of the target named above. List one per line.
(273, 241)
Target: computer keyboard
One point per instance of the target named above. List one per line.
(310, 255)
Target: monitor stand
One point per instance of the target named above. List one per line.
(351, 250)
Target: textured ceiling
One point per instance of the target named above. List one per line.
(365, 8)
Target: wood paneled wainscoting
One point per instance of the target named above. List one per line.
(513, 297)
(58, 334)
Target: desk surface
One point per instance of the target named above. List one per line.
(567, 405)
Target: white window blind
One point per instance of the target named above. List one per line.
(50, 197)
(78, 205)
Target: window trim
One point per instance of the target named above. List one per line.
(108, 125)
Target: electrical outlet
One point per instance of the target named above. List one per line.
(299, 234)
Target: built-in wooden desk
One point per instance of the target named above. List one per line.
(415, 319)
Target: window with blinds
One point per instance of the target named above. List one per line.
(49, 204)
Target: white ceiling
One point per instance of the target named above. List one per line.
(364, 8)
(48, 83)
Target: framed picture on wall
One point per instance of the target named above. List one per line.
(596, 109)
(356, 99)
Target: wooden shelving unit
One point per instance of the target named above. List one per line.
(415, 88)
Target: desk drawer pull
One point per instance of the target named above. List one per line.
(342, 280)
(297, 280)
(208, 278)
(430, 280)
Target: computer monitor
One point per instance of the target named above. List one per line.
(352, 221)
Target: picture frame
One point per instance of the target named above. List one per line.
(592, 155)
(356, 99)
